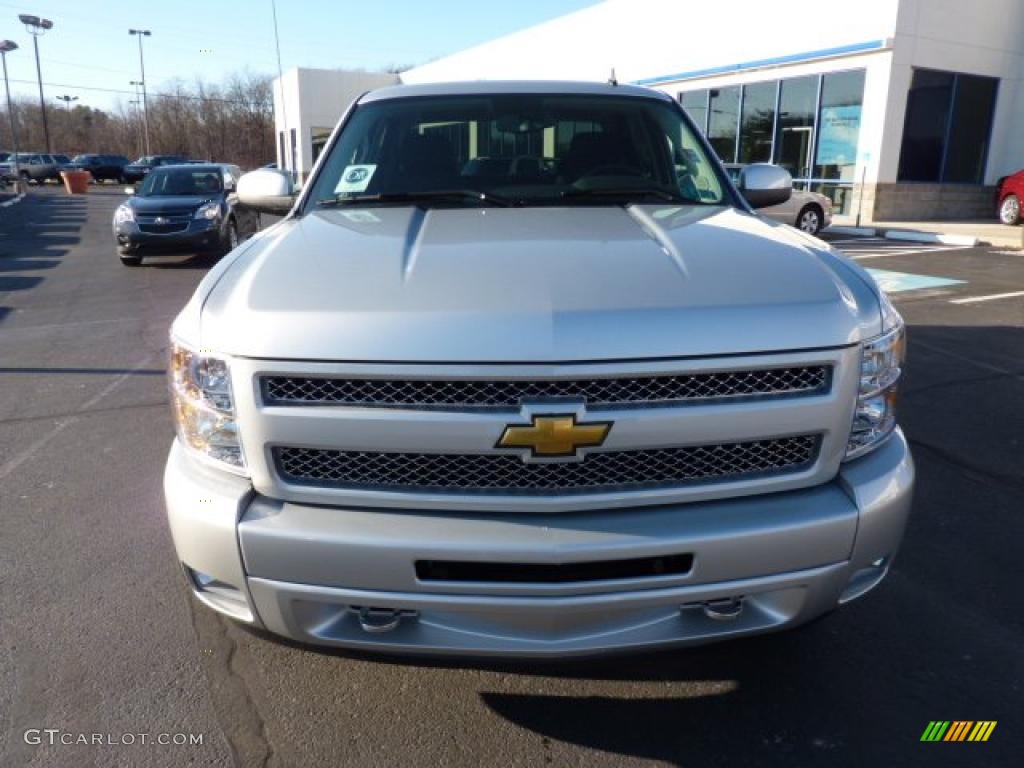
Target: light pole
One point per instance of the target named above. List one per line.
(67, 100)
(140, 33)
(137, 101)
(6, 46)
(36, 26)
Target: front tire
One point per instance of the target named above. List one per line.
(1009, 210)
(231, 241)
(810, 219)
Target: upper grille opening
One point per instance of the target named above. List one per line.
(510, 394)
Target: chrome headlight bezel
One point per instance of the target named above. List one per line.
(124, 214)
(203, 408)
(881, 367)
(207, 211)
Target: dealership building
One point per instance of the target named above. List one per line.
(896, 109)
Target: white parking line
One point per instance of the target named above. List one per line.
(990, 297)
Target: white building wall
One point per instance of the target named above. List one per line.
(980, 37)
(315, 99)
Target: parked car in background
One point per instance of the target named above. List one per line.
(183, 209)
(6, 168)
(102, 167)
(1009, 194)
(136, 171)
(33, 166)
(807, 211)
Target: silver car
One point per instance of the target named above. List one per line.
(520, 372)
(809, 212)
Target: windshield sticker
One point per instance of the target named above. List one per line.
(355, 178)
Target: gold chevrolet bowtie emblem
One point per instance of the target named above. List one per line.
(550, 436)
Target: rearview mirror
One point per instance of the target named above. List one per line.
(266, 190)
(764, 185)
(129, 190)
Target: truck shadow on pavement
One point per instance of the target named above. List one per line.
(35, 236)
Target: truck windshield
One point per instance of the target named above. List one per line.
(520, 149)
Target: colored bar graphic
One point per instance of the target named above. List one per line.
(935, 730)
(958, 730)
(982, 730)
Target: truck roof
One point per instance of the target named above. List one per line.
(491, 87)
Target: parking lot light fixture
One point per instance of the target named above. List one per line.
(36, 26)
(6, 46)
(140, 33)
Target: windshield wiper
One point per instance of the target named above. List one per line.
(626, 192)
(433, 196)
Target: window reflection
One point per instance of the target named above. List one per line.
(723, 120)
(758, 123)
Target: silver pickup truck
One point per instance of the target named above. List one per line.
(520, 372)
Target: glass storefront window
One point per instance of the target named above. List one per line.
(970, 129)
(758, 122)
(722, 121)
(947, 127)
(695, 103)
(924, 127)
(842, 94)
(794, 141)
(318, 140)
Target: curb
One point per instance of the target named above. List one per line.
(856, 231)
(8, 203)
(931, 237)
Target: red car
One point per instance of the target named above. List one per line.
(1009, 197)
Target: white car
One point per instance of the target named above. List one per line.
(807, 211)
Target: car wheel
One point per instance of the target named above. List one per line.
(1009, 210)
(231, 241)
(809, 219)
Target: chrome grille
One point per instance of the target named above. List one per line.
(170, 222)
(509, 394)
(499, 473)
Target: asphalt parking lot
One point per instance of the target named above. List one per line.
(97, 634)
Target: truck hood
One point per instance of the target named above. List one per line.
(532, 285)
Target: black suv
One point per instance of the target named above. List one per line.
(183, 209)
(137, 171)
(102, 166)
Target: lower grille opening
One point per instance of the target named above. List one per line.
(553, 573)
(494, 473)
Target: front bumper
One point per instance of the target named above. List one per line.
(305, 572)
(200, 235)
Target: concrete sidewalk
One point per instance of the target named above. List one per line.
(986, 231)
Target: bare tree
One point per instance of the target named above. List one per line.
(230, 122)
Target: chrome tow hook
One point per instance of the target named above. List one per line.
(726, 609)
(378, 620)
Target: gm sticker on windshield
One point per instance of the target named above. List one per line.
(355, 178)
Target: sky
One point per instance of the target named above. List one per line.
(89, 53)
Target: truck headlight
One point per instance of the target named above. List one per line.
(203, 406)
(124, 213)
(881, 363)
(208, 211)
